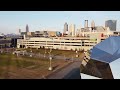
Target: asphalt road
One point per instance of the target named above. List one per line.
(72, 71)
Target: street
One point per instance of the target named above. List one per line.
(71, 71)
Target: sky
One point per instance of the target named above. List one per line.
(12, 21)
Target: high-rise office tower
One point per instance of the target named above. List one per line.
(27, 28)
(72, 30)
(20, 31)
(92, 25)
(65, 28)
(111, 24)
(86, 24)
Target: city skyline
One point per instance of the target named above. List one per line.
(12, 21)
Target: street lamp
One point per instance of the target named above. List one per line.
(50, 67)
(31, 53)
(17, 54)
(45, 53)
(76, 53)
(50, 57)
(50, 50)
(13, 48)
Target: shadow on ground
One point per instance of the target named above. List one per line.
(55, 67)
(73, 74)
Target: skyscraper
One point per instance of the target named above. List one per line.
(111, 24)
(92, 25)
(19, 30)
(86, 24)
(72, 30)
(65, 28)
(27, 28)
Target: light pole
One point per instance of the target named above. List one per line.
(76, 53)
(13, 48)
(50, 67)
(45, 53)
(50, 50)
(31, 53)
(23, 53)
(17, 54)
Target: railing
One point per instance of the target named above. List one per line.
(86, 58)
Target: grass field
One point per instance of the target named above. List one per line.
(23, 67)
(12, 66)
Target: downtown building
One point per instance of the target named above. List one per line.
(5, 42)
(65, 28)
(72, 30)
(61, 43)
(83, 39)
(111, 24)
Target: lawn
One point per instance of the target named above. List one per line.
(25, 67)
(19, 67)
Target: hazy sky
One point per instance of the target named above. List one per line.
(11, 21)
